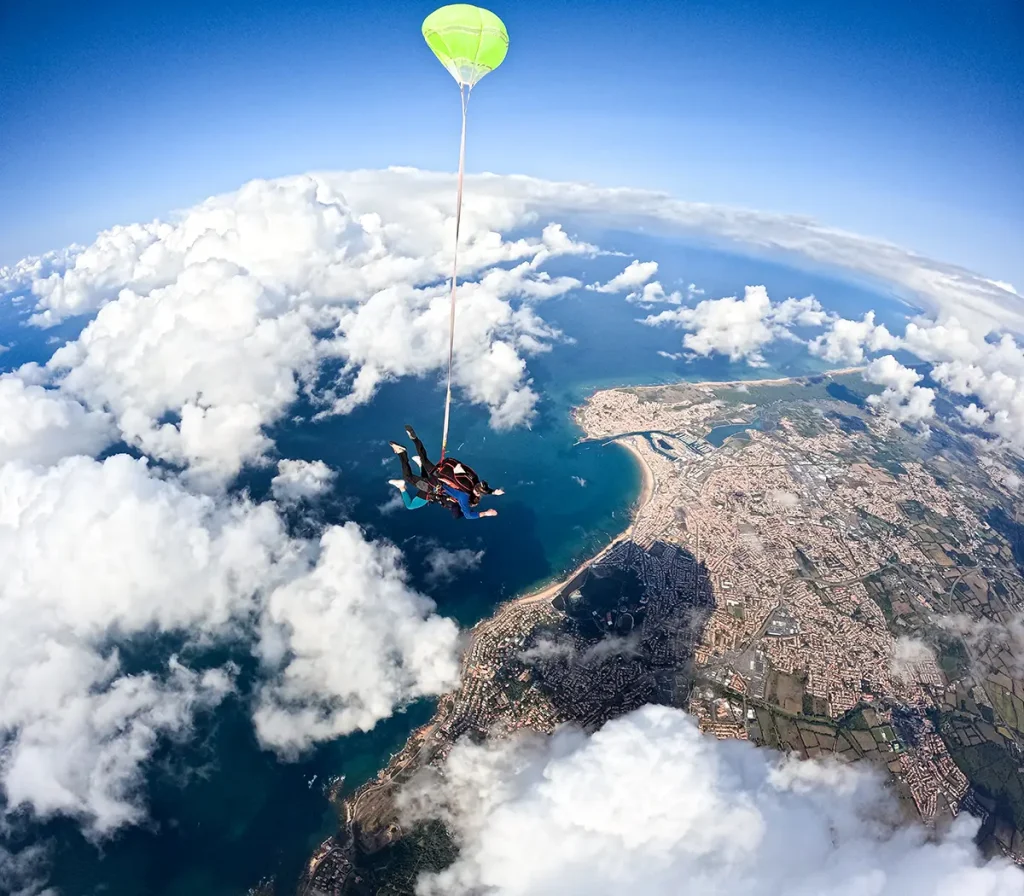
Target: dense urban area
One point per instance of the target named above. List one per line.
(801, 572)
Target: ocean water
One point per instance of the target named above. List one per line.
(225, 814)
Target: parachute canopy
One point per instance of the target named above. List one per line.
(469, 41)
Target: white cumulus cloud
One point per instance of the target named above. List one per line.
(907, 654)
(40, 425)
(243, 297)
(213, 348)
(444, 565)
(207, 326)
(985, 366)
(97, 555)
(990, 369)
(654, 293)
(847, 340)
(300, 480)
(902, 399)
(635, 274)
(22, 873)
(94, 553)
(740, 328)
(987, 637)
(345, 643)
(649, 805)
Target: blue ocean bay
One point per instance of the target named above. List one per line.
(225, 814)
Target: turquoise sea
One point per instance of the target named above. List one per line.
(224, 814)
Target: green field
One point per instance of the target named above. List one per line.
(1008, 707)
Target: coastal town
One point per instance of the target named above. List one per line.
(799, 572)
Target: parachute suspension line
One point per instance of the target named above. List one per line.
(469, 42)
(464, 94)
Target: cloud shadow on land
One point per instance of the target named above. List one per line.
(1012, 530)
(632, 623)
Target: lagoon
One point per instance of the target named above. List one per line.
(719, 434)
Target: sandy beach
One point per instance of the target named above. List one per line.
(648, 476)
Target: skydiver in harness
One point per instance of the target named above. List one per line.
(450, 483)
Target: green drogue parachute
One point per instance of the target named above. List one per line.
(470, 42)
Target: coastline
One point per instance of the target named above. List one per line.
(499, 694)
(423, 743)
(552, 590)
(648, 484)
(371, 800)
(714, 384)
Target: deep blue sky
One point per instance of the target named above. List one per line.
(900, 119)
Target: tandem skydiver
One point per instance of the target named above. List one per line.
(451, 483)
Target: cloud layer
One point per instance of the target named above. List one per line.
(901, 399)
(564, 815)
(43, 425)
(636, 274)
(985, 367)
(207, 327)
(101, 554)
(95, 554)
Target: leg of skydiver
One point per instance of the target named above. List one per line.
(412, 498)
(426, 467)
(417, 483)
(413, 501)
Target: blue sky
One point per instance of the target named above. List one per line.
(902, 120)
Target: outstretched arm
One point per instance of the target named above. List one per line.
(467, 511)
